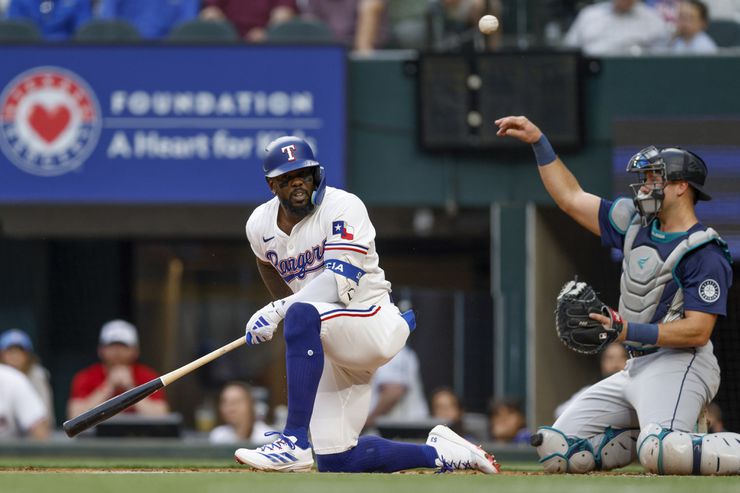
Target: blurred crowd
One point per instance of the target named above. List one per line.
(607, 27)
(242, 413)
(362, 25)
(633, 27)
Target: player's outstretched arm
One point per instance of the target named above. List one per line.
(558, 180)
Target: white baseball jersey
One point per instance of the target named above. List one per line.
(358, 335)
(20, 405)
(339, 229)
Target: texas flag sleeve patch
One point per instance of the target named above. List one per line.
(342, 228)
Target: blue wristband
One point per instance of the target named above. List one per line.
(644, 333)
(543, 151)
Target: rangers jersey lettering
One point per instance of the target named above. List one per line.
(337, 235)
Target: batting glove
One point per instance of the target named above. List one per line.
(264, 322)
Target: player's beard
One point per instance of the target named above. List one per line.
(300, 211)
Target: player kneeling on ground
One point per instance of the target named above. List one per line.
(675, 277)
(315, 249)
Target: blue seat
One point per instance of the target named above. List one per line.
(300, 31)
(200, 31)
(14, 31)
(107, 31)
(725, 33)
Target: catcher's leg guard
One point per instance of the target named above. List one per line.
(552, 447)
(617, 448)
(663, 451)
(720, 454)
(559, 453)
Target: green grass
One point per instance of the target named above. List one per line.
(185, 476)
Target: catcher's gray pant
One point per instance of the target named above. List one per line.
(668, 387)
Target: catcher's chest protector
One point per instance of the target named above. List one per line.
(645, 275)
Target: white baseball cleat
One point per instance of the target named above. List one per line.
(455, 453)
(282, 455)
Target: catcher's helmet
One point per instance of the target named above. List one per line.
(289, 153)
(681, 164)
(672, 164)
(675, 164)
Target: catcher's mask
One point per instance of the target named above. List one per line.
(665, 165)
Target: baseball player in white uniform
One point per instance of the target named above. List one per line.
(315, 250)
(675, 278)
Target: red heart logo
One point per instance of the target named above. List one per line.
(49, 124)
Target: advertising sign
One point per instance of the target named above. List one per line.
(162, 124)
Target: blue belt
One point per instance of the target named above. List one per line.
(410, 319)
(636, 353)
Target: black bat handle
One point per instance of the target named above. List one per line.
(111, 407)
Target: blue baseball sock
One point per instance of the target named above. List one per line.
(304, 358)
(375, 454)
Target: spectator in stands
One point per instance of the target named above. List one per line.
(714, 418)
(507, 422)
(16, 350)
(154, 19)
(397, 391)
(236, 408)
(668, 9)
(446, 408)
(117, 372)
(360, 24)
(690, 37)
(724, 9)
(612, 360)
(617, 27)
(251, 18)
(57, 21)
(558, 15)
(22, 413)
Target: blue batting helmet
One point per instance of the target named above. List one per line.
(289, 153)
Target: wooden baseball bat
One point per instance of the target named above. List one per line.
(116, 404)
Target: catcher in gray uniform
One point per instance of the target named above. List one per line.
(675, 277)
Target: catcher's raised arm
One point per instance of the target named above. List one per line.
(558, 180)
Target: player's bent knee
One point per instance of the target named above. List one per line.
(560, 453)
(299, 318)
(663, 451)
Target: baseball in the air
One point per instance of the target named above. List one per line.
(488, 24)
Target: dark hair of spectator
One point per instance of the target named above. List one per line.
(702, 8)
(447, 390)
(512, 403)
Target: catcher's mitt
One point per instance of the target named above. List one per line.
(577, 331)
